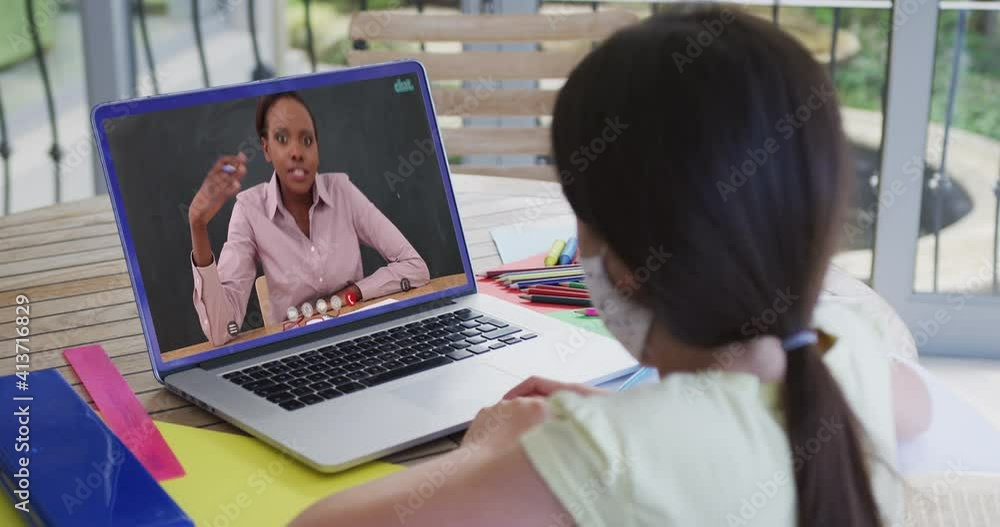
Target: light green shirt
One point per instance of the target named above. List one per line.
(709, 449)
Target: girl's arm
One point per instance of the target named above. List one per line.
(910, 396)
(911, 401)
(487, 482)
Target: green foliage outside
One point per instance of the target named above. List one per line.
(861, 79)
(14, 30)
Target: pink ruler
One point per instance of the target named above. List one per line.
(123, 412)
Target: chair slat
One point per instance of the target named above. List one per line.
(482, 101)
(499, 141)
(387, 25)
(536, 172)
(481, 65)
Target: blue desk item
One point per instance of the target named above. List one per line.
(640, 375)
(568, 253)
(61, 465)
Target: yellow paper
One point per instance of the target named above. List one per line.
(235, 480)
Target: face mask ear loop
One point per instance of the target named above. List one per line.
(603, 255)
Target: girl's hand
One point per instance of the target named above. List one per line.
(542, 387)
(221, 184)
(500, 426)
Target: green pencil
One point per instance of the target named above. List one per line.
(575, 285)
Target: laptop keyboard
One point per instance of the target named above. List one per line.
(317, 375)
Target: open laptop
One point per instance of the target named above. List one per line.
(350, 385)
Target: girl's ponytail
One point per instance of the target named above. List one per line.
(831, 476)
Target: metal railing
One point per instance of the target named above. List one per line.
(199, 42)
(5, 154)
(55, 152)
(140, 12)
(996, 236)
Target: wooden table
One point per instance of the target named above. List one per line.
(67, 259)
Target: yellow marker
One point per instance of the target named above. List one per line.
(554, 252)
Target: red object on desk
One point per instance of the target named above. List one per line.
(554, 292)
(515, 267)
(488, 286)
(123, 412)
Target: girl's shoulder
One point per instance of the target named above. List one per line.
(859, 357)
(687, 450)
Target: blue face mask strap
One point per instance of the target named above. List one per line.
(799, 340)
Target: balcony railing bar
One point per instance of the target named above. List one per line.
(260, 71)
(55, 152)
(199, 41)
(140, 10)
(310, 45)
(833, 45)
(5, 154)
(943, 179)
(996, 236)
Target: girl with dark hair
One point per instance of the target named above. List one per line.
(772, 409)
(303, 227)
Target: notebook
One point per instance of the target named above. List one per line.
(63, 466)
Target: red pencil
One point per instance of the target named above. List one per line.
(549, 292)
(497, 272)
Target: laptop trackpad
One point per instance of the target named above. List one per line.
(459, 392)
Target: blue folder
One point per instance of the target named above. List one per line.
(61, 465)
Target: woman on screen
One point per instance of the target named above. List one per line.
(303, 227)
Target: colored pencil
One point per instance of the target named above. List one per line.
(529, 272)
(550, 292)
(574, 285)
(546, 299)
(560, 289)
(528, 283)
(569, 275)
(564, 289)
(497, 272)
(588, 312)
(533, 276)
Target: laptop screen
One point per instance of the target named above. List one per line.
(256, 213)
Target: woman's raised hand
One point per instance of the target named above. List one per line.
(222, 183)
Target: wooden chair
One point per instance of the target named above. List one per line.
(496, 65)
(260, 284)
